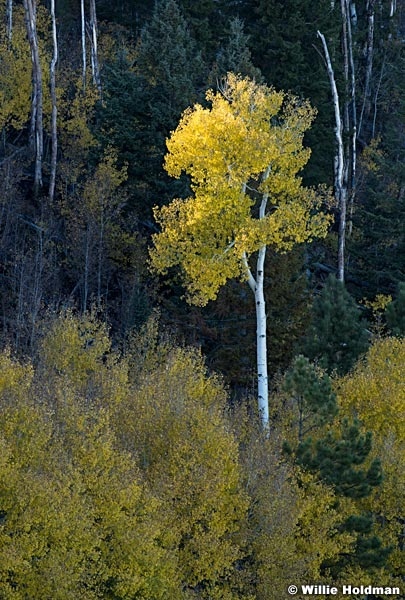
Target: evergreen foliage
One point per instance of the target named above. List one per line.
(336, 336)
(286, 53)
(395, 313)
(235, 55)
(312, 394)
(337, 458)
(168, 58)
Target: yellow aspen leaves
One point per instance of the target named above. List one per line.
(245, 149)
(375, 394)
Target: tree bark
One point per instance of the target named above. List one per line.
(257, 287)
(37, 92)
(94, 50)
(365, 108)
(9, 20)
(350, 125)
(54, 131)
(84, 60)
(340, 187)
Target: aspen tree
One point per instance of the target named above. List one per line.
(37, 90)
(83, 36)
(95, 67)
(243, 156)
(54, 132)
(9, 18)
(340, 179)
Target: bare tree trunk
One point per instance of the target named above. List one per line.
(54, 106)
(94, 51)
(377, 92)
(365, 109)
(257, 287)
(37, 95)
(86, 269)
(9, 19)
(100, 259)
(84, 61)
(350, 127)
(340, 185)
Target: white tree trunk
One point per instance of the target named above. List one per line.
(261, 335)
(37, 95)
(84, 62)
(365, 109)
(9, 17)
(340, 187)
(94, 49)
(54, 115)
(257, 287)
(350, 120)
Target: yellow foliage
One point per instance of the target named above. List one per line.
(174, 421)
(16, 68)
(375, 394)
(292, 526)
(14, 377)
(75, 519)
(247, 146)
(75, 347)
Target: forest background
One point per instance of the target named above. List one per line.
(132, 462)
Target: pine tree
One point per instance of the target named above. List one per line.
(235, 55)
(312, 395)
(287, 52)
(339, 459)
(395, 312)
(169, 60)
(336, 336)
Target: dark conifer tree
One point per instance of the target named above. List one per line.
(234, 55)
(395, 313)
(288, 54)
(312, 394)
(339, 459)
(336, 336)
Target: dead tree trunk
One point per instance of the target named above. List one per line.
(84, 61)
(350, 120)
(54, 130)
(37, 95)
(365, 108)
(340, 182)
(9, 20)
(95, 68)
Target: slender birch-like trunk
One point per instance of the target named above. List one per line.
(54, 131)
(369, 62)
(340, 187)
(9, 20)
(94, 49)
(350, 121)
(257, 287)
(84, 61)
(37, 92)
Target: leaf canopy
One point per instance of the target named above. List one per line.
(244, 150)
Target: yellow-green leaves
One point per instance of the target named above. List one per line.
(375, 394)
(112, 487)
(243, 151)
